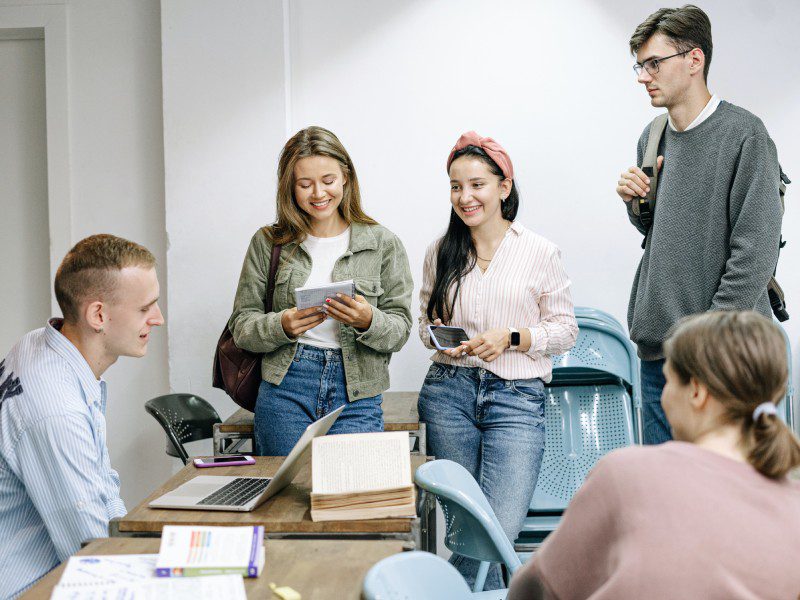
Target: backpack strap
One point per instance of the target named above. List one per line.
(645, 207)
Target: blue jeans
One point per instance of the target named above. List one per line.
(654, 421)
(313, 386)
(494, 428)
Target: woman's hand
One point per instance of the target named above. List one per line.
(296, 322)
(356, 312)
(486, 346)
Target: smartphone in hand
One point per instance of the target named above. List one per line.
(224, 461)
(446, 338)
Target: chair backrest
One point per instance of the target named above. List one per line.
(414, 576)
(583, 423)
(184, 418)
(472, 528)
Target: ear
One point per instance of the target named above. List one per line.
(698, 61)
(699, 395)
(505, 187)
(95, 314)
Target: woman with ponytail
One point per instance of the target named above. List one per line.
(483, 401)
(714, 514)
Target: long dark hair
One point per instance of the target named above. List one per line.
(456, 254)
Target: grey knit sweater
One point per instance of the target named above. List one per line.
(714, 240)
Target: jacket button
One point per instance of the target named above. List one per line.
(355, 392)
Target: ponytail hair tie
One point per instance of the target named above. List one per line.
(765, 408)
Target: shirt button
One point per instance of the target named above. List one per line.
(80, 505)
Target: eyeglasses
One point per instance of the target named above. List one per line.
(652, 65)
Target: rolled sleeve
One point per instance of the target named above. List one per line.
(66, 482)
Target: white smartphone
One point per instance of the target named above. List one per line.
(446, 338)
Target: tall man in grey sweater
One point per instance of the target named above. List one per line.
(713, 244)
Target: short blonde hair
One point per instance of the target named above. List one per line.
(741, 358)
(89, 270)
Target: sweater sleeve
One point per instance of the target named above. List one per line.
(755, 226)
(585, 540)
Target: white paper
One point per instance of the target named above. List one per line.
(315, 296)
(360, 462)
(216, 587)
(109, 568)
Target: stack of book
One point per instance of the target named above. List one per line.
(361, 476)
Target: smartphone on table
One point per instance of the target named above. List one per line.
(224, 461)
(446, 338)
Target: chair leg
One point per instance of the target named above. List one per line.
(480, 578)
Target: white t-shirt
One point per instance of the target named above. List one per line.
(324, 253)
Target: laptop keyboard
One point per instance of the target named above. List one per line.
(236, 493)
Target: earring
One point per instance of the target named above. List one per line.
(99, 330)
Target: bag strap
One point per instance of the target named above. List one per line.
(274, 259)
(646, 206)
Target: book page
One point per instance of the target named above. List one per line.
(306, 297)
(217, 587)
(109, 568)
(360, 462)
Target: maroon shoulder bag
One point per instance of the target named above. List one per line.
(238, 371)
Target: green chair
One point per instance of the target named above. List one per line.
(184, 418)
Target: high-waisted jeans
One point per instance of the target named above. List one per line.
(313, 387)
(493, 427)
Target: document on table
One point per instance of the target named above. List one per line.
(212, 587)
(109, 568)
(306, 297)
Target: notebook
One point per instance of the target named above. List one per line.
(306, 297)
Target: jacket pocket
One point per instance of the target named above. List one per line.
(283, 293)
(371, 289)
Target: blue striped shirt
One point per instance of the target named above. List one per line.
(57, 487)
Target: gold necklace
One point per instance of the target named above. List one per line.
(484, 259)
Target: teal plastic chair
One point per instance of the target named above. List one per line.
(592, 406)
(419, 576)
(471, 527)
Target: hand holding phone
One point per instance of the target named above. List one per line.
(447, 338)
(224, 461)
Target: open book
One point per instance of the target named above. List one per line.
(361, 476)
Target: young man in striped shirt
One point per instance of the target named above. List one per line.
(57, 487)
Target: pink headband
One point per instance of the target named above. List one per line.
(488, 145)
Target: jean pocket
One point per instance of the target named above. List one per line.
(436, 372)
(530, 388)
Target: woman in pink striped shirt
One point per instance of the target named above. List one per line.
(483, 402)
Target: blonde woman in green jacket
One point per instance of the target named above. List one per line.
(320, 358)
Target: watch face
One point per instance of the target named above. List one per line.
(515, 338)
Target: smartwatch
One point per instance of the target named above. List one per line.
(513, 338)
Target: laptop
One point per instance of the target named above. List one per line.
(243, 494)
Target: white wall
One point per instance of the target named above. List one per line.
(23, 189)
(398, 82)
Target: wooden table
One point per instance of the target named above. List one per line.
(285, 515)
(399, 414)
(318, 569)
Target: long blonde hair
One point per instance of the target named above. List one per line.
(741, 358)
(292, 223)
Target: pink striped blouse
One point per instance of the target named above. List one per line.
(524, 286)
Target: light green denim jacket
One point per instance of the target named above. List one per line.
(375, 260)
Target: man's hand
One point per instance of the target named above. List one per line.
(356, 312)
(634, 182)
(296, 322)
(486, 346)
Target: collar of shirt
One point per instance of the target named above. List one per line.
(95, 389)
(516, 227)
(709, 109)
